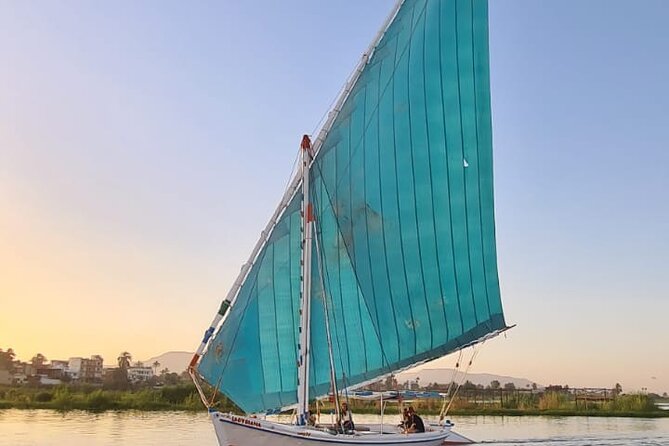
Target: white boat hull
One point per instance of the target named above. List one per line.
(233, 430)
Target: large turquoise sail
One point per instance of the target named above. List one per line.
(403, 193)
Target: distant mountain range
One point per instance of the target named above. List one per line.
(444, 376)
(173, 361)
(178, 362)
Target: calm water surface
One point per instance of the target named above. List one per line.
(45, 427)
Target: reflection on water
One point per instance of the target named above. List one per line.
(46, 428)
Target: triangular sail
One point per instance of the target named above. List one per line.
(403, 195)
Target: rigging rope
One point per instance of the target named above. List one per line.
(475, 352)
(442, 413)
(333, 373)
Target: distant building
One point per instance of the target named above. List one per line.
(61, 365)
(139, 374)
(86, 370)
(19, 378)
(24, 368)
(49, 372)
(6, 377)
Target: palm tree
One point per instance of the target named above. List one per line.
(155, 366)
(124, 360)
(7, 359)
(38, 360)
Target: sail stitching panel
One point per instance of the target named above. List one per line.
(430, 130)
(464, 175)
(398, 175)
(347, 167)
(486, 115)
(245, 313)
(415, 147)
(448, 186)
(326, 268)
(431, 167)
(468, 276)
(276, 323)
(349, 229)
(366, 227)
(382, 217)
(472, 173)
(477, 165)
(338, 239)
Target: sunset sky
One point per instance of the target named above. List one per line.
(144, 146)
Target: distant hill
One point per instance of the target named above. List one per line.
(178, 362)
(174, 361)
(443, 376)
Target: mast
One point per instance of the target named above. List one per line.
(305, 304)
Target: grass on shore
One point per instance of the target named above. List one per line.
(179, 397)
(549, 404)
(184, 398)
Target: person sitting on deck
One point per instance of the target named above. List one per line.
(404, 424)
(415, 423)
(345, 418)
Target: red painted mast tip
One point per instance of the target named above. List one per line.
(306, 142)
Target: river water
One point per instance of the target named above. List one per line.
(46, 428)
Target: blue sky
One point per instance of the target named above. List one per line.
(144, 145)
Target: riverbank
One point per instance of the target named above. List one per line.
(185, 398)
(166, 398)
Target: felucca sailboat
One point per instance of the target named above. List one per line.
(381, 254)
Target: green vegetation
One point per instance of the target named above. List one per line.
(179, 397)
(174, 391)
(184, 397)
(526, 403)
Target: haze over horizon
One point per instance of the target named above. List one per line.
(144, 145)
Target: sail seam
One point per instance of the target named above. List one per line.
(383, 219)
(335, 211)
(464, 174)
(397, 187)
(431, 177)
(413, 175)
(448, 177)
(293, 309)
(478, 166)
(350, 228)
(276, 322)
(364, 200)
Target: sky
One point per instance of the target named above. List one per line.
(144, 146)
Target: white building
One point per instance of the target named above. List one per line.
(139, 374)
(46, 381)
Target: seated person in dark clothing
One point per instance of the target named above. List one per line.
(415, 422)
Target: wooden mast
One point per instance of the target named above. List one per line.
(305, 303)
